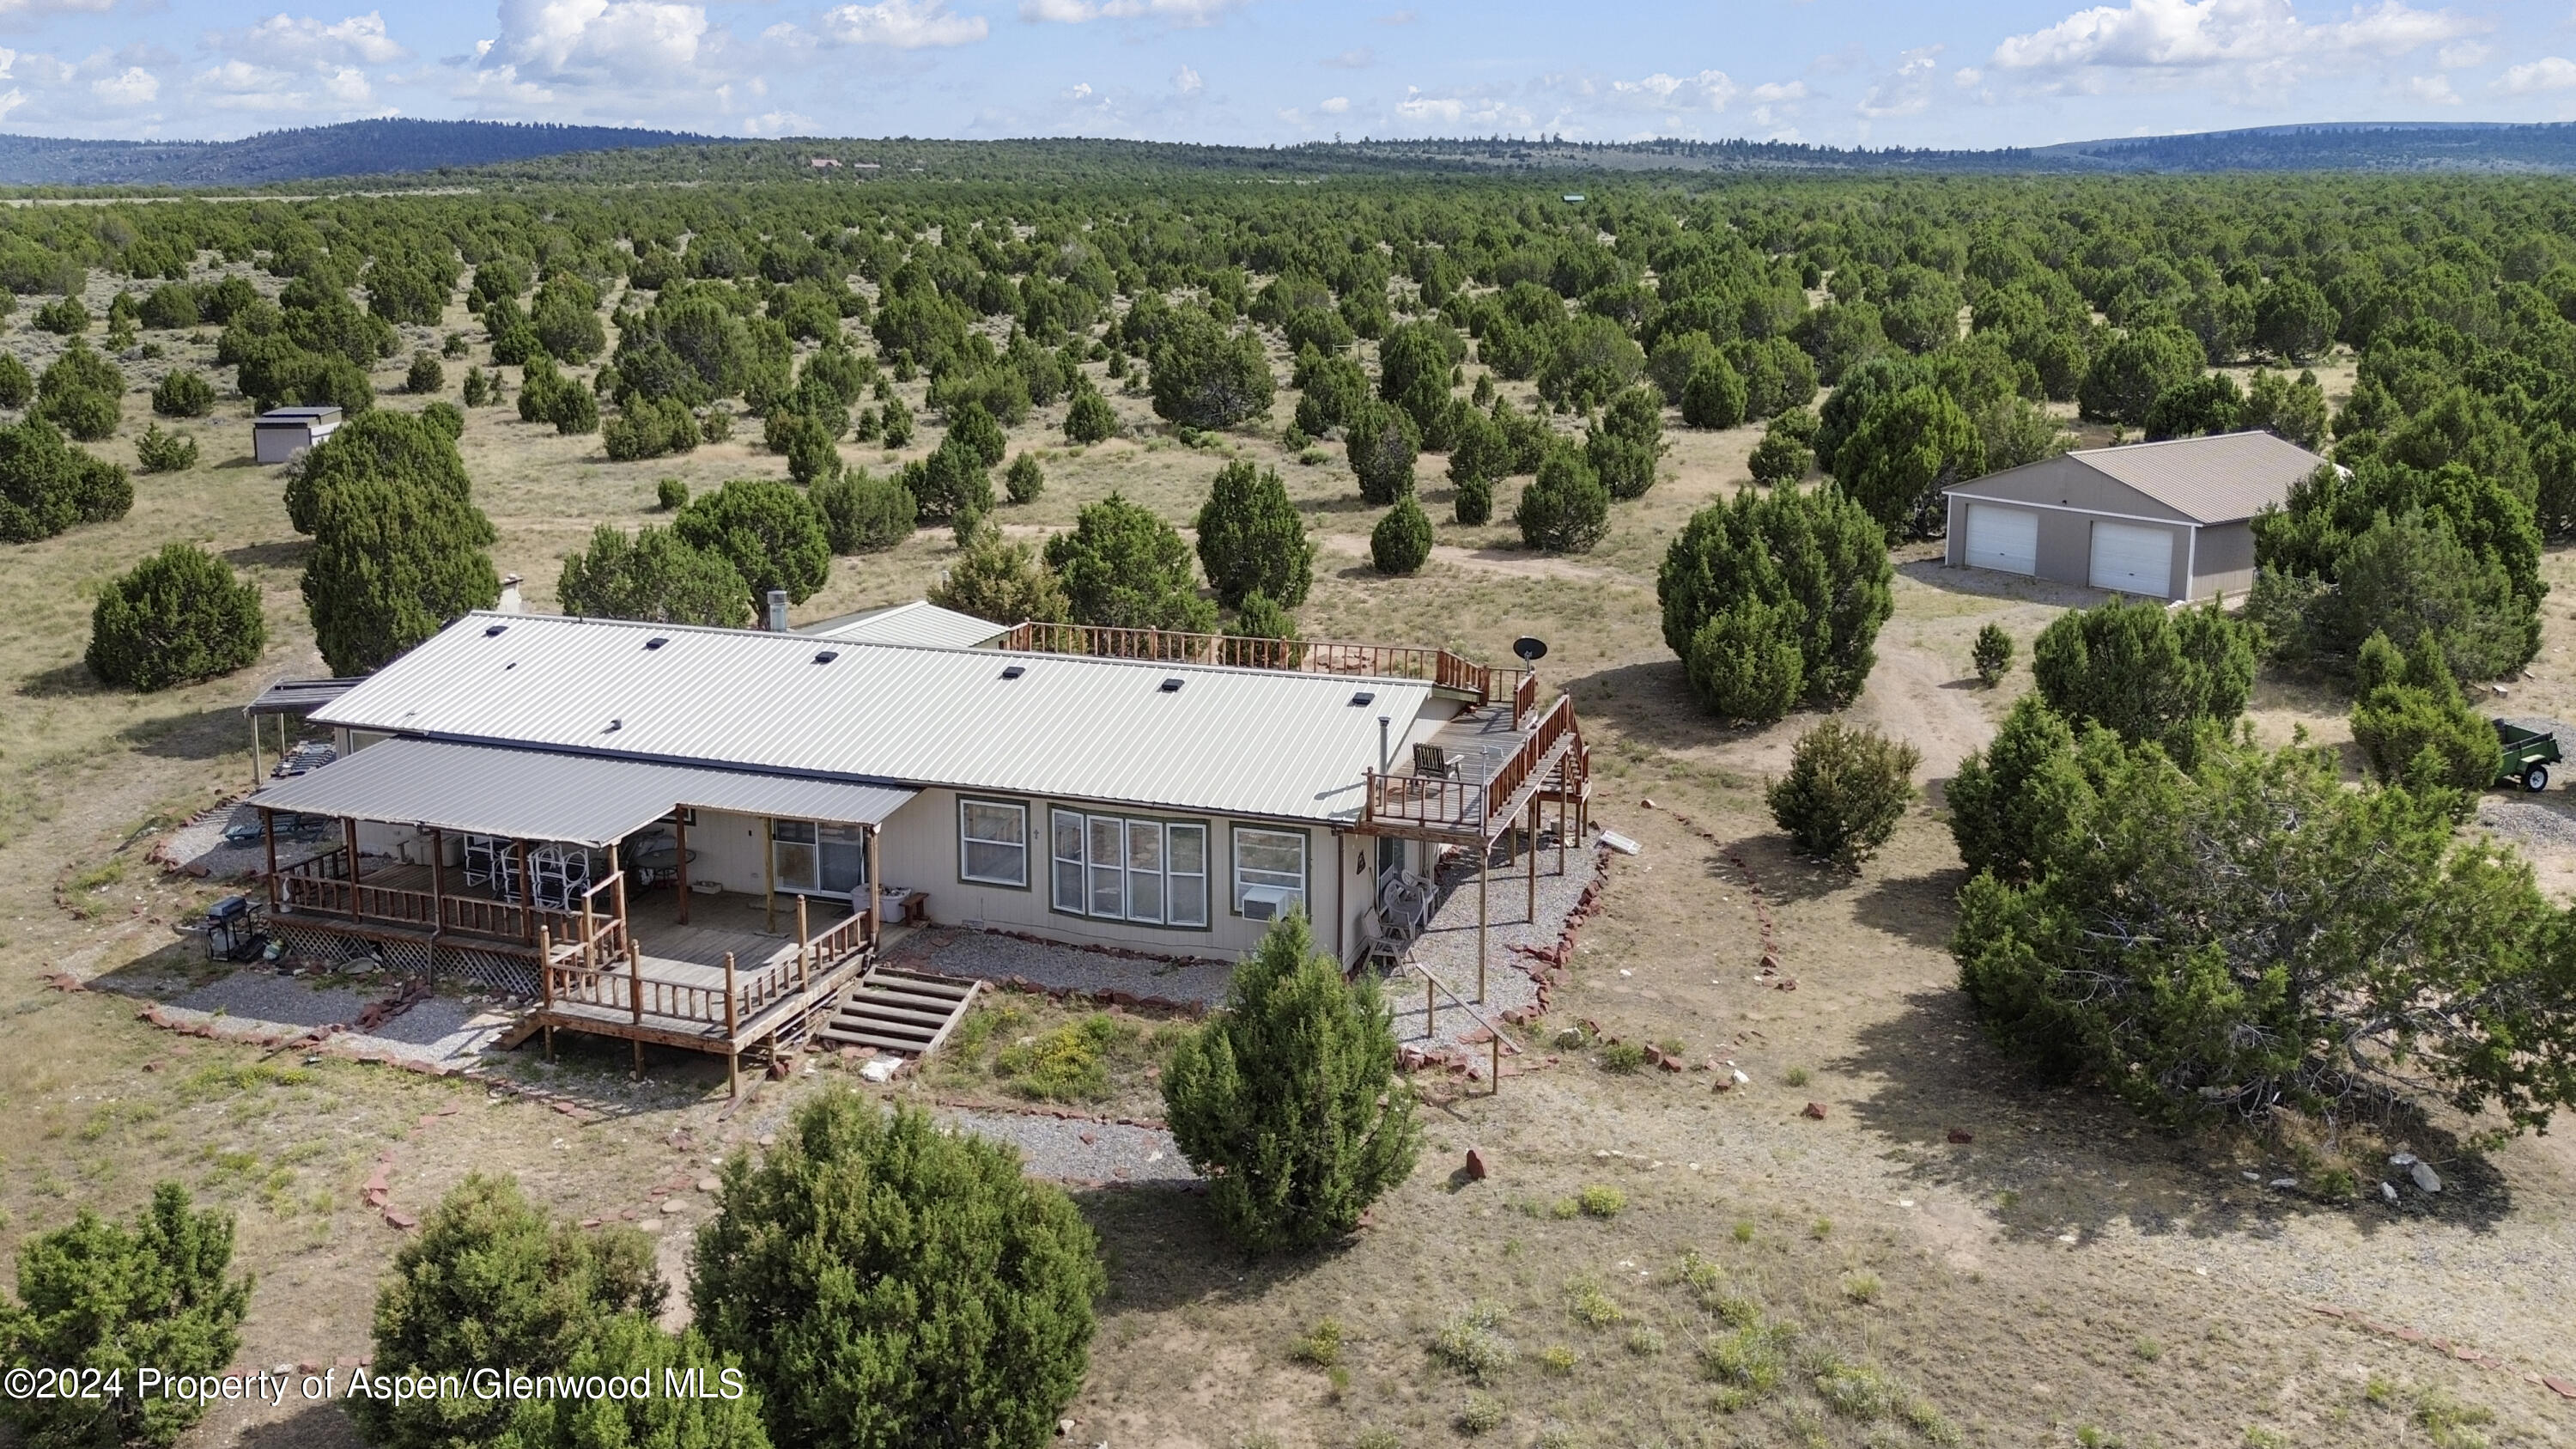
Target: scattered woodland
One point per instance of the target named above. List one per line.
(2198, 901)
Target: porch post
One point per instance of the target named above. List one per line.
(625, 932)
(1484, 867)
(268, 832)
(437, 893)
(801, 948)
(876, 894)
(1560, 824)
(733, 1049)
(680, 867)
(527, 894)
(1533, 860)
(349, 843)
(768, 880)
(254, 752)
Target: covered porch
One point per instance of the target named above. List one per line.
(578, 868)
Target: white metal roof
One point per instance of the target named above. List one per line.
(554, 795)
(2221, 478)
(1232, 741)
(918, 622)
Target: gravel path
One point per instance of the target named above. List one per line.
(1448, 948)
(450, 1031)
(199, 847)
(1072, 1150)
(986, 956)
(2550, 826)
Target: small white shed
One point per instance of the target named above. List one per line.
(281, 433)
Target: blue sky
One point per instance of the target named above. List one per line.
(1842, 72)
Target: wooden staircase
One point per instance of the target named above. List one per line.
(898, 1011)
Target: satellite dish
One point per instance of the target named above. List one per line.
(1530, 650)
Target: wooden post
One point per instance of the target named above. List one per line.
(1563, 782)
(254, 752)
(768, 879)
(1495, 1042)
(1533, 860)
(437, 886)
(1430, 1007)
(635, 1004)
(1484, 863)
(617, 873)
(876, 894)
(680, 863)
(527, 894)
(546, 984)
(589, 933)
(268, 831)
(733, 1052)
(802, 949)
(349, 847)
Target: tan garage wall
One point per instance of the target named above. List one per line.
(2225, 561)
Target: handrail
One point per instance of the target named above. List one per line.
(1441, 667)
(839, 939)
(319, 885)
(1460, 805)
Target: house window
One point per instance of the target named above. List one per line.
(1271, 866)
(993, 842)
(1116, 869)
(810, 858)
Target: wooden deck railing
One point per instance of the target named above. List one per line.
(1440, 667)
(1466, 806)
(320, 886)
(1524, 697)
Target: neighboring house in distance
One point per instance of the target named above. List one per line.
(518, 782)
(280, 433)
(2171, 520)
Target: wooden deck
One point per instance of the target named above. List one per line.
(1505, 760)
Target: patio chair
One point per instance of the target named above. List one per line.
(1431, 762)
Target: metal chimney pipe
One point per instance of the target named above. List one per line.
(776, 622)
(1385, 752)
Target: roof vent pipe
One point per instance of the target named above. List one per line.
(776, 621)
(1385, 753)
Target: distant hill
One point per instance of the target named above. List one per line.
(353, 148)
(406, 152)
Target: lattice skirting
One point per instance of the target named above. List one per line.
(495, 970)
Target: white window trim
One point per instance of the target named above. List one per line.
(1082, 822)
(1234, 862)
(1021, 845)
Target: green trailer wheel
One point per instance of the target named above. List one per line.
(2536, 779)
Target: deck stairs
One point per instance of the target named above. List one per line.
(899, 1011)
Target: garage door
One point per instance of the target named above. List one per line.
(2003, 538)
(2133, 559)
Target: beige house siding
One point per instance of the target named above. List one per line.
(919, 848)
(2225, 562)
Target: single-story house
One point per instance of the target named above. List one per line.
(667, 799)
(280, 433)
(2171, 520)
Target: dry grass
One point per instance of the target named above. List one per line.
(1999, 1292)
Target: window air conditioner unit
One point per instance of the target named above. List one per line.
(1269, 903)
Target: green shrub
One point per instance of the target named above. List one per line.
(1713, 396)
(1089, 420)
(182, 393)
(670, 495)
(1123, 567)
(1288, 1102)
(18, 385)
(1564, 509)
(2414, 726)
(628, 1346)
(64, 316)
(1782, 456)
(1063, 1065)
(1401, 541)
(1474, 501)
(1591, 1305)
(386, 446)
(1752, 1357)
(47, 486)
(393, 562)
(1382, 441)
(1991, 654)
(1206, 376)
(2146, 672)
(1598, 1201)
(885, 1282)
(160, 452)
(652, 428)
(492, 1281)
(717, 425)
(863, 512)
(1472, 1344)
(178, 617)
(1321, 1346)
(1025, 479)
(1622, 1057)
(115, 1300)
(771, 532)
(951, 481)
(424, 375)
(972, 425)
(656, 577)
(1846, 790)
(478, 387)
(1251, 538)
(1745, 662)
(1002, 581)
(446, 417)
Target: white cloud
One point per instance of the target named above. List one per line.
(1178, 13)
(291, 41)
(779, 123)
(1709, 90)
(902, 25)
(648, 42)
(2465, 54)
(1907, 90)
(1773, 93)
(1480, 109)
(1358, 57)
(2432, 90)
(1186, 82)
(2198, 34)
(2549, 73)
(1335, 105)
(1966, 77)
(132, 86)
